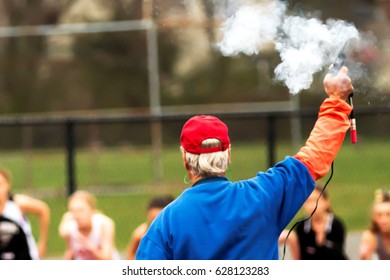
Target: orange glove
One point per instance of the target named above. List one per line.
(326, 137)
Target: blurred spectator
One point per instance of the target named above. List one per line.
(16, 239)
(322, 237)
(89, 234)
(376, 238)
(155, 206)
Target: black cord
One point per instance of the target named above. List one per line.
(312, 213)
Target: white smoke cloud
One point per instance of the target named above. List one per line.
(305, 45)
(251, 28)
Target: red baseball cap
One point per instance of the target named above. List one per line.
(199, 128)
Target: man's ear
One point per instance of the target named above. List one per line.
(229, 154)
(184, 160)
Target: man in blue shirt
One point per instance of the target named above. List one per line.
(220, 219)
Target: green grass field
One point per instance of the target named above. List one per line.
(122, 179)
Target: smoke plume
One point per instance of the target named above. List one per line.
(305, 45)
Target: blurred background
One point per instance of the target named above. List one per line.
(93, 95)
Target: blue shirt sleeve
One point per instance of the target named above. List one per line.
(148, 250)
(288, 184)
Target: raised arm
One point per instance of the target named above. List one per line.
(331, 126)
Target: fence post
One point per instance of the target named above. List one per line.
(70, 159)
(154, 93)
(271, 139)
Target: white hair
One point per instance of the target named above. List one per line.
(208, 164)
